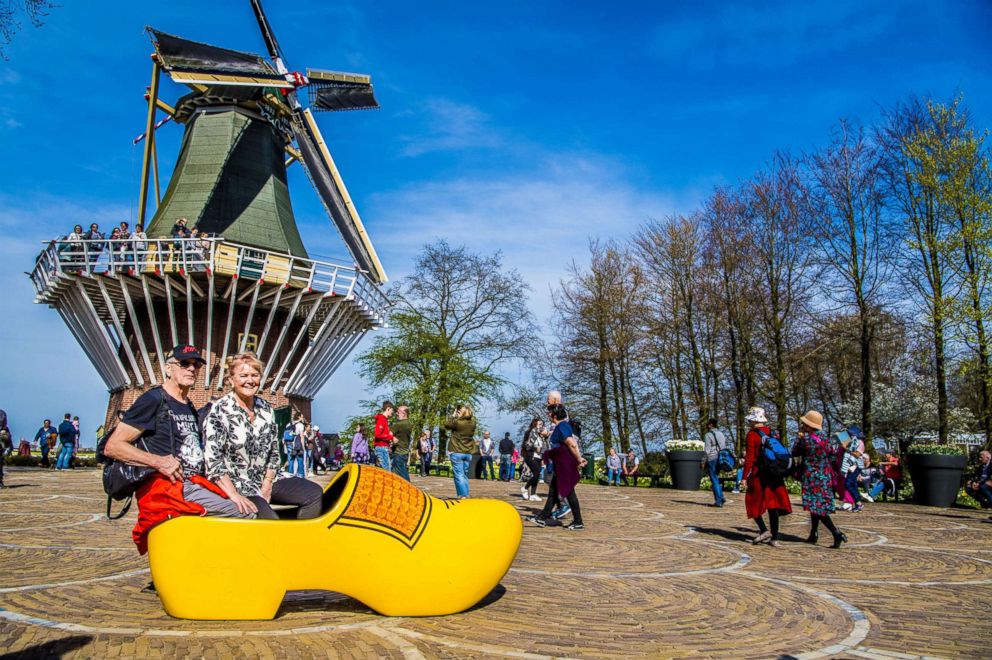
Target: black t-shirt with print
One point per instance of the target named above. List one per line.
(158, 437)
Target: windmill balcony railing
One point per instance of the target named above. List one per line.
(185, 256)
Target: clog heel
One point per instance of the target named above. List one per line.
(376, 535)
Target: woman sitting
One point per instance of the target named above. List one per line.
(241, 448)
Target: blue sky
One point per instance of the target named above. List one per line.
(518, 126)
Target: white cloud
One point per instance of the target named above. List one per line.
(451, 126)
(540, 219)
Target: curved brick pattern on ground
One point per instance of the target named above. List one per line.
(937, 621)
(660, 574)
(648, 617)
(626, 557)
(97, 605)
(58, 566)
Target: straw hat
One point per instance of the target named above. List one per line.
(812, 419)
(756, 414)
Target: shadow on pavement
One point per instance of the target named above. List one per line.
(53, 649)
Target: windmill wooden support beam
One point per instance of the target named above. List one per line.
(149, 142)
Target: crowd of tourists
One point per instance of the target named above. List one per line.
(231, 459)
(123, 248)
(60, 441)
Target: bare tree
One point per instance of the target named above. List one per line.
(849, 227)
(779, 217)
(11, 10)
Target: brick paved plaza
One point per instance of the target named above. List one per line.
(656, 573)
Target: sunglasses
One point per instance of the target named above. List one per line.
(187, 364)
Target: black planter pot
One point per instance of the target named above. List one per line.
(686, 468)
(936, 478)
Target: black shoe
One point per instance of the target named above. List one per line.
(839, 538)
(537, 520)
(813, 538)
(149, 589)
(575, 526)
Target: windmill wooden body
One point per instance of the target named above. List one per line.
(251, 285)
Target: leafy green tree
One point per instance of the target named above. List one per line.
(458, 317)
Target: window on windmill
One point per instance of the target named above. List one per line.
(248, 342)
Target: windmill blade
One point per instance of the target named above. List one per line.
(326, 180)
(192, 62)
(267, 34)
(335, 90)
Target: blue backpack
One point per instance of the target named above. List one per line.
(725, 460)
(774, 458)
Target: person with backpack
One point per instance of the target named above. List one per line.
(165, 422)
(714, 443)
(817, 476)
(765, 468)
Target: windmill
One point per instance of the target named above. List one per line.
(251, 284)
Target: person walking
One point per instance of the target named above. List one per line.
(425, 448)
(506, 448)
(67, 439)
(402, 432)
(461, 447)
(817, 477)
(765, 491)
(714, 441)
(43, 437)
(383, 437)
(6, 443)
(487, 452)
(568, 461)
(533, 448)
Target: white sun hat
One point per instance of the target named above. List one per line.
(756, 414)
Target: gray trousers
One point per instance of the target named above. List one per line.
(213, 503)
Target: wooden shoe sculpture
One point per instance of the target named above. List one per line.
(380, 540)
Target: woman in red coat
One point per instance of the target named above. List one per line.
(765, 492)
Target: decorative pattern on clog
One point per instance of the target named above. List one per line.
(383, 502)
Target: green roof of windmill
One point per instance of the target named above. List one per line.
(245, 123)
(230, 180)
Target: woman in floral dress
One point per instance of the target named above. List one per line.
(818, 476)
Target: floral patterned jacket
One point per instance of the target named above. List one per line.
(241, 449)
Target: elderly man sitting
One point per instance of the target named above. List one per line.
(981, 486)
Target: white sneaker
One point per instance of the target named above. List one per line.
(536, 498)
(846, 506)
(524, 493)
(867, 498)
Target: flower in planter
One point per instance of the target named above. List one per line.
(935, 448)
(684, 445)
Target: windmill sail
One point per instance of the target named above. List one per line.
(330, 188)
(193, 62)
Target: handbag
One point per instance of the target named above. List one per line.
(121, 480)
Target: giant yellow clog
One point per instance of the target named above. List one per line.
(380, 540)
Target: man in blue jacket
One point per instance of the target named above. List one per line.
(67, 436)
